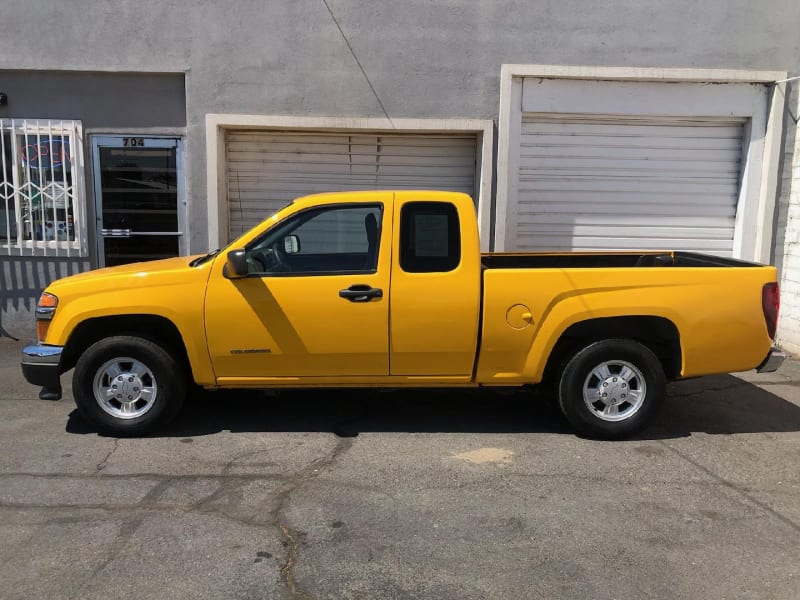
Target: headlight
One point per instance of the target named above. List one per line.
(44, 314)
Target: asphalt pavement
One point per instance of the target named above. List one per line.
(403, 494)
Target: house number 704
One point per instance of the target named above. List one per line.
(130, 142)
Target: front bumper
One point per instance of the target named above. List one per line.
(41, 365)
(771, 363)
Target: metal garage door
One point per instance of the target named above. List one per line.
(628, 183)
(267, 169)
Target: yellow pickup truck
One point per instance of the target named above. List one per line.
(390, 289)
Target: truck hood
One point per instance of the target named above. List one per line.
(139, 274)
(152, 266)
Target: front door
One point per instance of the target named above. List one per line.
(316, 301)
(138, 188)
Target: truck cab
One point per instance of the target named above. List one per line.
(371, 287)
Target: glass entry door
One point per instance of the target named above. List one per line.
(138, 183)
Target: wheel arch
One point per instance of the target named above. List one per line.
(156, 328)
(659, 334)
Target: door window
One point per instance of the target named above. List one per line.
(325, 241)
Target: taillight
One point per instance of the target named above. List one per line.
(771, 303)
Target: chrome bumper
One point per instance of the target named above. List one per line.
(773, 360)
(41, 365)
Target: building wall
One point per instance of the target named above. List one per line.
(421, 59)
(22, 280)
(364, 58)
(786, 173)
(102, 102)
(788, 228)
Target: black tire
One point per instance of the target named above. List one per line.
(614, 358)
(165, 377)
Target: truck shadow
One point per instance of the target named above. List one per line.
(715, 405)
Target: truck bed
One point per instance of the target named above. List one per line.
(589, 260)
(530, 301)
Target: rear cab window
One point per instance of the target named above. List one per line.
(430, 237)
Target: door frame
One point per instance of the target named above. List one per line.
(216, 163)
(150, 141)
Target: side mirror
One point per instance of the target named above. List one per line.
(291, 244)
(236, 265)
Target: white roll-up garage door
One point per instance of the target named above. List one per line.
(623, 183)
(267, 169)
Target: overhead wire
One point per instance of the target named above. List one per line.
(358, 62)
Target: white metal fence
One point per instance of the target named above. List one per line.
(42, 195)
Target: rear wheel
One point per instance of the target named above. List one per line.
(128, 385)
(611, 389)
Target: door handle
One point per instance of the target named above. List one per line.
(120, 233)
(360, 293)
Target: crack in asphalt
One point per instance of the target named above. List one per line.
(735, 488)
(293, 539)
(102, 464)
(225, 501)
(127, 530)
(149, 476)
(233, 483)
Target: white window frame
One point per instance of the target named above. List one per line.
(754, 224)
(217, 124)
(34, 131)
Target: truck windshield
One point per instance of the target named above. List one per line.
(207, 257)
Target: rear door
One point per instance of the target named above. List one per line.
(435, 286)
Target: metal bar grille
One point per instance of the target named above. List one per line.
(41, 188)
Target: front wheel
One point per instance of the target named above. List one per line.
(128, 385)
(611, 388)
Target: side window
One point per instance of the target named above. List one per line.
(327, 240)
(430, 237)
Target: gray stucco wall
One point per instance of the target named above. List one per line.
(423, 59)
(99, 100)
(419, 59)
(22, 279)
